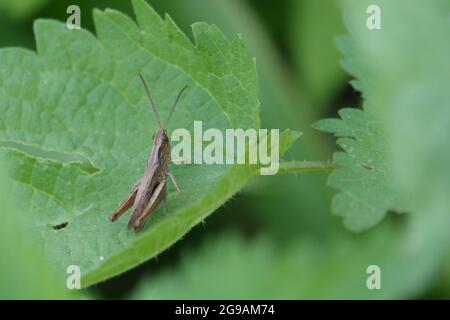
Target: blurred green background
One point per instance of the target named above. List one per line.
(277, 238)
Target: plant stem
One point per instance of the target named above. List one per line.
(306, 166)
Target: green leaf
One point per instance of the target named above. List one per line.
(403, 77)
(77, 127)
(24, 273)
(412, 103)
(363, 178)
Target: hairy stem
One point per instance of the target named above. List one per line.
(306, 166)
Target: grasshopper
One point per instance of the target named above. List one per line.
(150, 190)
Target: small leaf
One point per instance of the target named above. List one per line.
(363, 178)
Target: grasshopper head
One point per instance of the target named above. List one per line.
(162, 144)
(160, 137)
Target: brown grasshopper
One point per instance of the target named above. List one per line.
(150, 190)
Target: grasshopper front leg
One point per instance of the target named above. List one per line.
(174, 181)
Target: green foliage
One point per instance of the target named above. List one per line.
(21, 9)
(372, 163)
(303, 268)
(401, 129)
(77, 126)
(314, 25)
(412, 102)
(363, 177)
(283, 104)
(24, 273)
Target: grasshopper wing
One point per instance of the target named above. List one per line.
(137, 221)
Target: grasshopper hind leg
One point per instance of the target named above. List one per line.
(159, 194)
(126, 204)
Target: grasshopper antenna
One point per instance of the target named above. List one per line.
(155, 113)
(175, 103)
